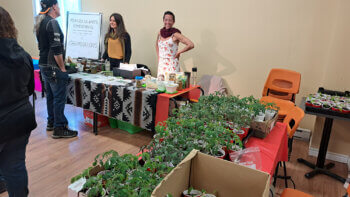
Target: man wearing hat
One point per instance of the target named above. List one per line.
(51, 63)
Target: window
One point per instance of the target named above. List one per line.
(65, 6)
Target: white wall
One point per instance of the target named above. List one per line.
(240, 40)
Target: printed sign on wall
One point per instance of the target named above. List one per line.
(83, 35)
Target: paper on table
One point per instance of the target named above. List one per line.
(109, 80)
(129, 67)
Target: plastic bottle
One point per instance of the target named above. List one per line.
(194, 76)
(108, 66)
(188, 79)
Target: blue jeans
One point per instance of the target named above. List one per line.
(13, 166)
(55, 82)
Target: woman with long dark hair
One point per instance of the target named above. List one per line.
(17, 118)
(167, 44)
(117, 42)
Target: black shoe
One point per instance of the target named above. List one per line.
(49, 127)
(2, 187)
(63, 132)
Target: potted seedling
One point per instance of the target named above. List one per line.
(316, 103)
(208, 195)
(335, 98)
(260, 117)
(94, 187)
(269, 114)
(219, 153)
(205, 194)
(215, 148)
(309, 100)
(338, 107)
(192, 193)
(342, 100)
(326, 105)
(346, 109)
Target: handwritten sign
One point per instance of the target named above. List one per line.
(83, 35)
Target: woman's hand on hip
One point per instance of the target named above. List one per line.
(178, 55)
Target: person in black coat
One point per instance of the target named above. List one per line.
(17, 118)
(117, 42)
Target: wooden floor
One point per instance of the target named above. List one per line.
(320, 185)
(51, 163)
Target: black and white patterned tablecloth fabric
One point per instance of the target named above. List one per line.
(127, 103)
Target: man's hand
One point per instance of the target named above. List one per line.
(60, 62)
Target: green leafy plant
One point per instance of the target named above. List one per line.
(204, 126)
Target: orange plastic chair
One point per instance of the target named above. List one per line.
(293, 118)
(283, 84)
(294, 193)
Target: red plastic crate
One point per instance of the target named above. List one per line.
(102, 121)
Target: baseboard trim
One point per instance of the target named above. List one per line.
(331, 156)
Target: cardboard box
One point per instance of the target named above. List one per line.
(262, 129)
(202, 171)
(127, 74)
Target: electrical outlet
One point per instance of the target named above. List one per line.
(302, 134)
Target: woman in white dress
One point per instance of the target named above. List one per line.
(168, 40)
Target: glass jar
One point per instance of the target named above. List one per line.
(138, 80)
(172, 77)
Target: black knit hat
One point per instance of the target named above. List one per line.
(46, 4)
